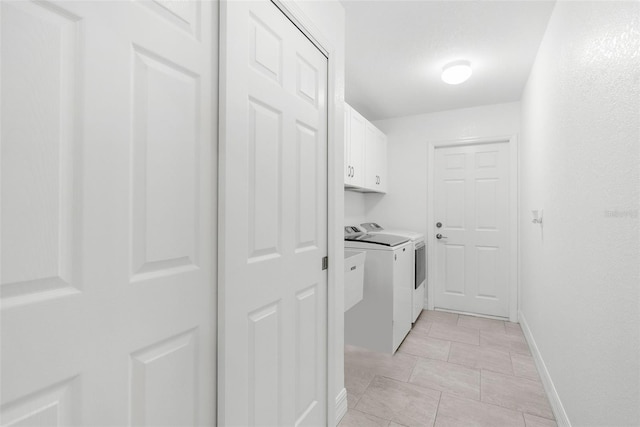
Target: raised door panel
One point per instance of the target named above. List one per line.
(40, 153)
(453, 204)
(265, 49)
(163, 382)
(57, 405)
(165, 177)
(264, 368)
(308, 177)
(454, 260)
(488, 280)
(264, 180)
(184, 15)
(309, 376)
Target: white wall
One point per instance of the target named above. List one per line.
(354, 212)
(405, 205)
(579, 157)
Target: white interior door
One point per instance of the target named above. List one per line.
(471, 204)
(107, 284)
(273, 306)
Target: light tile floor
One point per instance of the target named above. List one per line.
(451, 370)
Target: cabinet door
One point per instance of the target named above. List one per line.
(347, 144)
(375, 159)
(381, 163)
(371, 157)
(357, 126)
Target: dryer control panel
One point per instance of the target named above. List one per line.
(352, 231)
(371, 226)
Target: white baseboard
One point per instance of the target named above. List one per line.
(341, 405)
(554, 399)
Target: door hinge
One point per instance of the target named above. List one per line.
(325, 263)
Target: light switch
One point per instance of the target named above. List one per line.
(537, 216)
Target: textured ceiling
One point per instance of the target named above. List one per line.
(396, 49)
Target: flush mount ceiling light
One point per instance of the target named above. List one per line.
(456, 72)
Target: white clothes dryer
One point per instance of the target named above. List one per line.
(382, 320)
(419, 264)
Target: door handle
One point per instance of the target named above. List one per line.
(440, 236)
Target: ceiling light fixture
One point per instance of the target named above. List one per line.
(456, 72)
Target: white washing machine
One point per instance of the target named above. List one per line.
(382, 319)
(419, 266)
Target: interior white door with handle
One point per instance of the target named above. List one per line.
(472, 229)
(107, 169)
(273, 211)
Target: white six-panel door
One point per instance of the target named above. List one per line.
(471, 203)
(273, 199)
(107, 157)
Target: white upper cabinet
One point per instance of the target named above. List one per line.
(347, 144)
(365, 154)
(354, 148)
(375, 159)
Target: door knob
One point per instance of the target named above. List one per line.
(440, 236)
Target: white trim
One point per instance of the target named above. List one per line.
(335, 179)
(466, 313)
(341, 405)
(514, 229)
(512, 140)
(562, 420)
(295, 15)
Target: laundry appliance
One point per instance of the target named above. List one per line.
(419, 264)
(383, 318)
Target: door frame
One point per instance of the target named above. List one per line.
(514, 231)
(334, 193)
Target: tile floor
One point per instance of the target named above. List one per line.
(452, 370)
